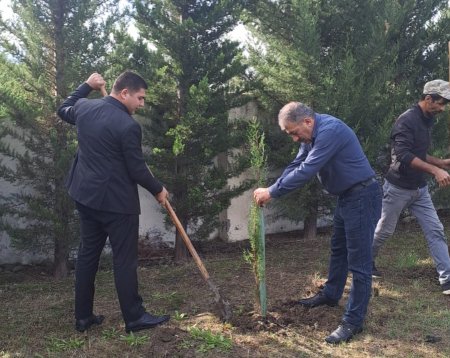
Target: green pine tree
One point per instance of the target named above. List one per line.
(45, 50)
(200, 80)
(360, 61)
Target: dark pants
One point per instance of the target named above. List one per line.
(122, 231)
(355, 218)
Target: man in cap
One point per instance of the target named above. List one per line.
(405, 183)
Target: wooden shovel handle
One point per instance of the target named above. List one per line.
(186, 240)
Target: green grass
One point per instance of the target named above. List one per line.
(63, 345)
(179, 316)
(134, 340)
(37, 312)
(110, 333)
(407, 260)
(205, 341)
(172, 299)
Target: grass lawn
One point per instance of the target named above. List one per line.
(408, 315)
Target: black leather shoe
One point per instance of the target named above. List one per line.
(317, 300)
(146, 321)
(343, 333)
(82, 325)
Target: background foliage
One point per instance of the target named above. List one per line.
(364, 62)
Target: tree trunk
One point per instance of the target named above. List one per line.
(63, 210)
(310, 222)
(60, 258)
(310, 225)
(181, 251)
(180, 191)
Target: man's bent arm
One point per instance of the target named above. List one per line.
(441, 163)
(441, 176)
(66, 111)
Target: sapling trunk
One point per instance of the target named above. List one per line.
(256, 256)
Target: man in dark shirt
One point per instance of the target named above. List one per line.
(103, 183)
(331, 150)
(405, 183)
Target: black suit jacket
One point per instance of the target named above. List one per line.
(109, 162)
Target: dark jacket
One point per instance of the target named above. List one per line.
(109, 162)
(410, 138)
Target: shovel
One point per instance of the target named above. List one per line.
(221, 304)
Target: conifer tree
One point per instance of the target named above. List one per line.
(200, 80)
(360, 61)
(47, 49)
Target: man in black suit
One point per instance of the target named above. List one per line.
(103, 183)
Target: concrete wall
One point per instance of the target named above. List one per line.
(7, 253)
(234, 220)
(233, 225)
(151, 220)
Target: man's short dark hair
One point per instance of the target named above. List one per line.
(434, 97)
(129, 80)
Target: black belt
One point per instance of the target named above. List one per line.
(358, 186)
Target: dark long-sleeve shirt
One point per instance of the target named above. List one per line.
(335, 154)
(410, 138)
(109, 162)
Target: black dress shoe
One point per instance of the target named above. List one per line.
(343, 333)
(82, 325)
(146, 321)
(317, 300)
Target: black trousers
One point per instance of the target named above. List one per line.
(123, 232)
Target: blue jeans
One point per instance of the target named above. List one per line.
(355, 218)
(419, 201)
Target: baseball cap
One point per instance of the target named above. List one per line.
(439, 87)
